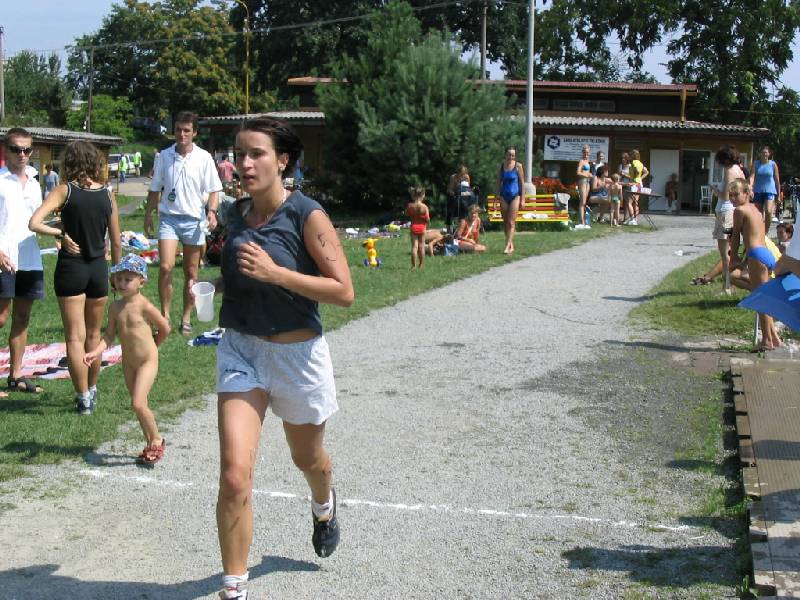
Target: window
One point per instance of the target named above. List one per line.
(606, 106)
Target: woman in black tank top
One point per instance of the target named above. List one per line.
(88, 213)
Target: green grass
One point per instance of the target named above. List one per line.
(45, 428)
(695, 310)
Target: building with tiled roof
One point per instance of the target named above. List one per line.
(613, 117)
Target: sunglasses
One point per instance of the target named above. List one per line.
(17, 149)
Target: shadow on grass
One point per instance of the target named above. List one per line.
(645, 298)
(31, 405)
(657, 346)
(667, 567)
(31, 450)
(48, 585)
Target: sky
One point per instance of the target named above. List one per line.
(49, 25)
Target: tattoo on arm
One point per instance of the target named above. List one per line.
(330, 253)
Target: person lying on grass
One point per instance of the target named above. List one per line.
(134, 317)
(749, 224)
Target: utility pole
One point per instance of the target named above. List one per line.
(529, 128)
(2, 78)
(483, 41)
(91, 86)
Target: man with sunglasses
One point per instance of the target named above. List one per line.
(21, 276)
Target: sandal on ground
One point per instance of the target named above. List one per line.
(152, 454)
(186, 328)
(702, 280)
(24, 384)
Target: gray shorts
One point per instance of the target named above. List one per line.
(185, 229)
(298, 378)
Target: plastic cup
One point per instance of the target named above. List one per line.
(204, 300)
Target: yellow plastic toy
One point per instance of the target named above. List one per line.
(372, 259)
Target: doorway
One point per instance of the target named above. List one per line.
(695, 171)
(663, 163)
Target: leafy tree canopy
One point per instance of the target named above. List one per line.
(34, 92)
(110, 116)
(409, 111)
(164, 56)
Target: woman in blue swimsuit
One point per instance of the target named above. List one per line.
(509, 190)
(766, 181)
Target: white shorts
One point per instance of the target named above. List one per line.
(723, 224)
(298, 378)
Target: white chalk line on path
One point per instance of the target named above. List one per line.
(435, 508)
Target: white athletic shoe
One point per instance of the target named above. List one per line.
(632, 222)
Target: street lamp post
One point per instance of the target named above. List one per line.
(246, 55)
(529, 120)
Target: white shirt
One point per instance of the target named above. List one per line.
(793, 250)
(17, 205)
(188, 179)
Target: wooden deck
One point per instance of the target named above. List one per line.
(767, 402)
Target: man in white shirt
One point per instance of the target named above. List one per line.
(21, 275)
(183, 175)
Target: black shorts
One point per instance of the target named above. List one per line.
(22, 284)
(76, 275)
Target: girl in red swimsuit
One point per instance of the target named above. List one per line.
(420, 217)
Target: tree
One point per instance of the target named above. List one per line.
(165, 56)
(407, 111)
(293, 43)
(735, 51)
(110, 116)
(34, 92)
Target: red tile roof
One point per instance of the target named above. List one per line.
(575, 85)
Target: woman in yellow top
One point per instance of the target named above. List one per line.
(638, 173)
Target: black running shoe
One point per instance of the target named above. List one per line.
(326, 531)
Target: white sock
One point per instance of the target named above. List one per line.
(92, 389)
(322, 510)
(235, 582)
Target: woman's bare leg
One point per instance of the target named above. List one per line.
(73, 317)
(240, 417)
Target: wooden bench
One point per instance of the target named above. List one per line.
(538, 208)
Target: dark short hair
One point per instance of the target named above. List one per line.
(187, 116)
(82, 161)
(728, 155)
(283, 137)
(601, 170)
(17, 132)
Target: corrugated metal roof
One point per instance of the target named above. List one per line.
(289, 115)
(51, 134)
(575, 85)
(606, 123)
(606, 85)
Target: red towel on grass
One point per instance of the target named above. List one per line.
(49, 361)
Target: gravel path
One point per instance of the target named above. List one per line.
(464, 469)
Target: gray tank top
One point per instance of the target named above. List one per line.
(256, 308)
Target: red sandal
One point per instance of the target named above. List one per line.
(152, 454)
